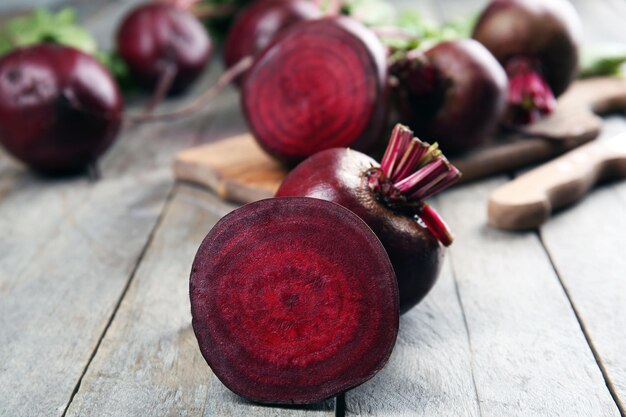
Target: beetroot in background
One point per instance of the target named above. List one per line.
(158, 38)
(453, 94)
(537, 42)
(60, 109)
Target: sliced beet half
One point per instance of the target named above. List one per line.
(320, 84)
(294, 300)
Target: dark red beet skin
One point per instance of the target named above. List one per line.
(320, 84)
(338, 175)
(259, 23)
(59, 108)
(545, 33)
(453, 94)
(293, 301)
(345, 176)
(157, 37)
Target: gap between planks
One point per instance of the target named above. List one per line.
(140, 258)
(149, 362)
(573, 281)
(607, 380)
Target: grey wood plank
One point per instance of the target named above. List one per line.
(429, 372)
(586, 244)
(459, 9)
(54, 310)
(602, 21)
(67, 251)
(103, 26)
(149, 362)
(529, 355)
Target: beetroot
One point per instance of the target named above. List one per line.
(163, 44)
(320, 84)
(59, 108)
(293, 300)
(454, 93)
(389, 198)
(260, 22)
(537, 42)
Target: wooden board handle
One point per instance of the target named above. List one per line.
(527, 201)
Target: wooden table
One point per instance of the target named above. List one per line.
(94, 308)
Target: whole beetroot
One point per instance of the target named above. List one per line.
(59, 108)
(537, 43)
(454, 93)
(160, 41)
(258, 24)
(390, 198)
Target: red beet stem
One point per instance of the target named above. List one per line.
(163, 86)
(530, 96)
(436, 224)
(227, 77)
(410, 172)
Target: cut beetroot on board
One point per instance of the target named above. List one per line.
(320, 84)
(293, 301)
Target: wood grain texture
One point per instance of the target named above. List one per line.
(236, 169)
(149, 362)
(429, 372)
(67, 251)
(57, 295)
(529, 355)
(585, 243)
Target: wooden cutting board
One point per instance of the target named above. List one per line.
(237, 169)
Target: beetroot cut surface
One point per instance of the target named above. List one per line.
(293, 301)
(320, 84)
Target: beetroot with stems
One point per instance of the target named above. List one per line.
(389, 198)
(163, 45)
(454, 93)
(59, 108)
(293, 300)
(320, 84)
(537, 42)
(260, 22)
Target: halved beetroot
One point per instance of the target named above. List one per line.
(320, 84)
(293, 300)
